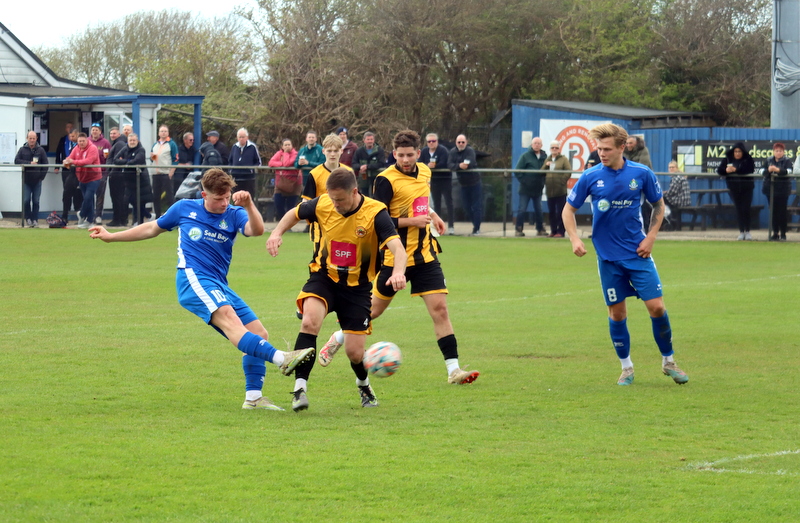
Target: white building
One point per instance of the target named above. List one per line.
(32, 97)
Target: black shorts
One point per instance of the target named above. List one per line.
(427, 278)
(351, 304)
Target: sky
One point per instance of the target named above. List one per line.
(51, 22)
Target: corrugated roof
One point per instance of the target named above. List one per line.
(608, 110)
(35, 91)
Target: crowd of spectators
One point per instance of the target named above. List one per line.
(147, 193)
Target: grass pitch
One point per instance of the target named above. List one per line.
(118, 405)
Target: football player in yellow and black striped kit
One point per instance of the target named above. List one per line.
(405, 189)
(353, 229)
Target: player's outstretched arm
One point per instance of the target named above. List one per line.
(275, 239)
(255, 223)
(145, 231)
(571, 226)
(398, 278)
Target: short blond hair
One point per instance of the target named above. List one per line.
(609, 130)
(332, 141)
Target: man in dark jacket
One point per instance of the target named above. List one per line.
(220, 147)
(736, 167)
(461, 160)
(348, 149)
(186, 153)
(531, 186)
(435, 156)
(133, 155)
(116, 181)
(368, 161)
(71, 195)
(32, 153)
(244, 153)
(777, 188)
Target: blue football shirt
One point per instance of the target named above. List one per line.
(205, 240)
(617, 226)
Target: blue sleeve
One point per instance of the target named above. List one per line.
(579, 192)
(173, 151)
(652, 189)
(172, 218)
(240, 219)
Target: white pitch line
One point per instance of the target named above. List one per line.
(713, 466)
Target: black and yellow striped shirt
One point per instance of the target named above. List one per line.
(406, 196)
(348, 246)
(315, 186)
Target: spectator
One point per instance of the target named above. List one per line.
(71, 195)
(637, 151)
(348, 149)
(34, 154)
(435, 156)
(132, 155)
(164, 154)
(736, 167)
(624, 252)
(461, 160)
(678, 194)
(288, 182)
(186, 154)
(116, 180)
(65, 145)
(556, 187)
(531, 186)
(594, 159)
(244, 153)
(219, 146)
(369, 159)
(778, 187)
(309, 156)
(88, 177)
(97, 139)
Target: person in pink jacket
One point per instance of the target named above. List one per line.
(288, 182)
(89, 177)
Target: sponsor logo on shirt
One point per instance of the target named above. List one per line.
(195, 234)
(603, 205)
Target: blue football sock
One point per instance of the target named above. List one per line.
(256, 346)
(662, 332)
(254, 371)
(620, 337)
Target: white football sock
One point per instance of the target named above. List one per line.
(665, 359)
(278, 358)
(300, 383)
(452, 364)
(339, 335)
(362, 383)
(626, 362)
(252, 395)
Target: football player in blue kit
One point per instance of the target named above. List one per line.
(207, 230)
(624, 257)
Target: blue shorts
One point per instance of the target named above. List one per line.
(202, 295)
(633, 277)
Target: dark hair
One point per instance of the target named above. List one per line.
(82, 135)
(341, 178)
(217, 181)
(406, 138)
(312, 131)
